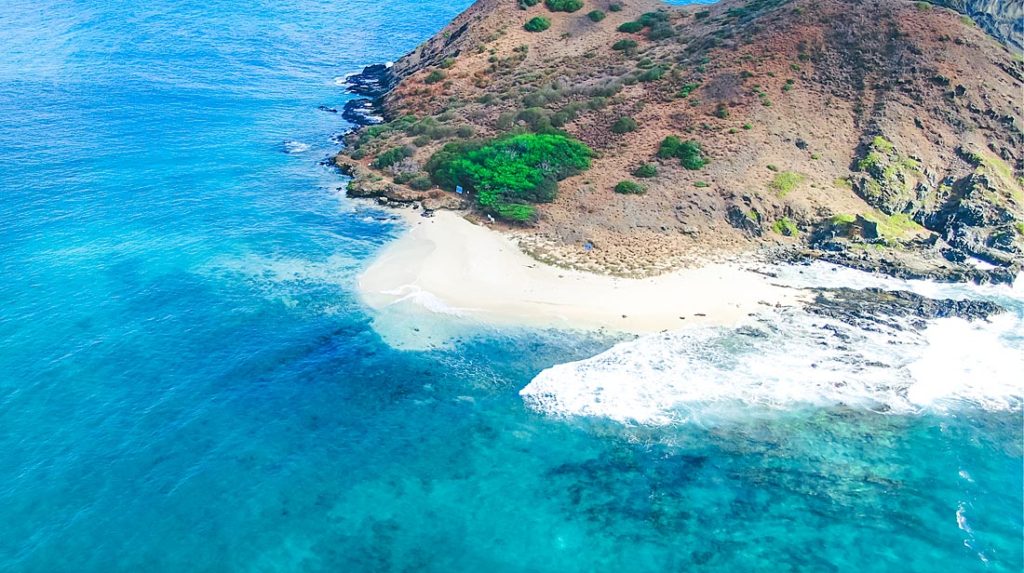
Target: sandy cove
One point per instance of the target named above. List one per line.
(448, 265)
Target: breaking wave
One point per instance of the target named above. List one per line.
(788, 358)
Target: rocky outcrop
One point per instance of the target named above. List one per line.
(1003, 19)
(980, 214)
(868, 308)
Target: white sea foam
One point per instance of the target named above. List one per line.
(343, 80)
(424, 299)
(295, 147)
(791, 359)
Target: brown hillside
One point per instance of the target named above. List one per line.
(811, 113)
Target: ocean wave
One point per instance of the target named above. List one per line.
(790, 359)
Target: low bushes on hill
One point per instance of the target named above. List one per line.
(596, 15)
(435, 76)
(689, 153)
(538, 24)
(507, 174)
(392, 156)
(657, 23)
(646, 171)
(563, 5)
(630, 188)
(624, 124)
(785, 182)
(624, 45)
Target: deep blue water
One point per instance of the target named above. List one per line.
(188, 383)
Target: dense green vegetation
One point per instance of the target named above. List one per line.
(563, 5)
(435, 76)
(524, 4)
(596, 15)
(630, 188)
(689, 153)
(615, 7)
(538, 24)
(631, 27)
(507, 174)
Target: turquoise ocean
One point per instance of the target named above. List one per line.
(188, 381)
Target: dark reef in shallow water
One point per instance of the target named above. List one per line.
(870, 307)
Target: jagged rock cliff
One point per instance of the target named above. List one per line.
(1004, 19)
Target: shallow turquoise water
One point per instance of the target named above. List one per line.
(187, 382)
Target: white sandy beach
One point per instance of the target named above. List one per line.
(446, 264)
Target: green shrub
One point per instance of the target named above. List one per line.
(783, 183)
(646, 171)
(689, 153)
(702, 14)
(538, 24)
(624, 45)
(631, 27)
(563, 5)
(748, 126)
(701, 184)
(660, 31)
(447, 63)
(669, 146)
(524, 4)
(652, 75)
(651, 18)
(596, 15)
(691, 156)
(509, 172)
(435, 76)
(517, 212)
(539, 119)
(722, 111)
(392, 156)
(630, 188)
(422, 141)
(624, 124)
(687, 89)
(882, 144)
(785, 227)
(615, 7)
(421, 182)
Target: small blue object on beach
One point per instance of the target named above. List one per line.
(458, 189)
(588, 246)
